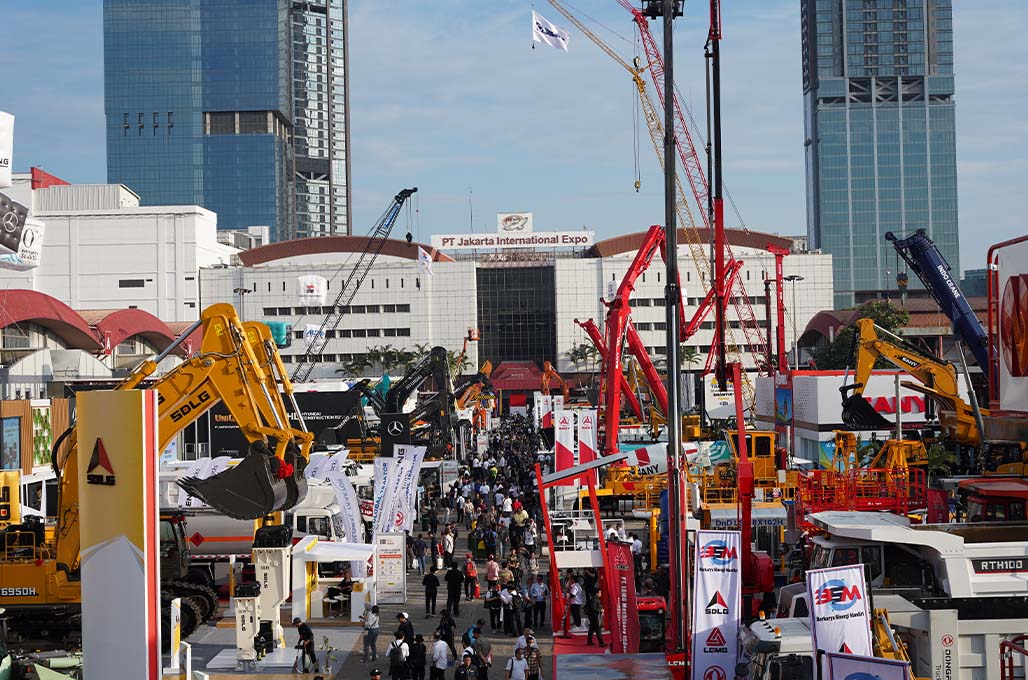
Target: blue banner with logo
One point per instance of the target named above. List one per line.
(717, 604)
(840, 616)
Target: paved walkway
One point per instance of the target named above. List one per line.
(502, 646)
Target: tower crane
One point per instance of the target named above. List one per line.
(373, 246)
(694, 173)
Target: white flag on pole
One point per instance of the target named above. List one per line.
(424, 261)
(548, 34)
(312, 333)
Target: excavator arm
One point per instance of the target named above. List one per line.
(229, 369)
(549, 375)
(937, 379)
(432, 364)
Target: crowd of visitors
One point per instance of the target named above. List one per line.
(490, 516)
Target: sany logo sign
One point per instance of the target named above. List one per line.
(908, 404)
(837, 595)
(719, 553)
(564, 421)
(587, 420)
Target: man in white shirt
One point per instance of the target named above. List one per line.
(517, 666)
(397, 655)
(577, 598)
(522, 641)
(508, 505)
(637, 549)
(439, 658)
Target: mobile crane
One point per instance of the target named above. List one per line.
(41, 578)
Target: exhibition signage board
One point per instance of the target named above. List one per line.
(717, 604)
(391, 568)
(624, 614)
(538, 239)
(564, 443)
(840, 617)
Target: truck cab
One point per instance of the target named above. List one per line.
(994, 499)
(779, 649)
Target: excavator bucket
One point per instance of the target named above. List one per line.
(249, 490)
(296, 483)
(858, 413)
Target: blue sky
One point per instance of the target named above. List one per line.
(449, 95)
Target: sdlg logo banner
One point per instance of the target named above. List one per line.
(717, 604)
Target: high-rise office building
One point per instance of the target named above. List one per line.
(231, 105)
(880, 134)
(321, 131)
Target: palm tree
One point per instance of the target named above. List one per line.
(688, 355)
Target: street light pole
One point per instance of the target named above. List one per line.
(793, 278)
(241, 292)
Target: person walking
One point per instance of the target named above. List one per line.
(306, 644)
(420, 549)
(534, 658)
(405, 628)
(494, 604)
(447, 631)
(492, 571)
(454, 581)
(465, 671)
(370, 623)
(517, 665)
(398, 655)
(576, 598)
(431, 583)
(440, 660)
(593, 609)
(483, 655)
(448, 544)
(418, 658)
(470, 577)
(539, 593)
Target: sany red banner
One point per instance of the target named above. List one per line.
(587, 437)
(564, 444)
(623, 616)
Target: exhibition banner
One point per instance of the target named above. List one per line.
(383, 469)
(839, 614)
(349, 507)
(546, 415)
(537, 408)
(717, 604)
(312, 289)
(408, 460)
(564, 444)
(623, 616)
(854, 667)
(6, 148)
(587, 437)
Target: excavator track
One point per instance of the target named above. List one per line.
(205, 599)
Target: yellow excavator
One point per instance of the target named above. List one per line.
(886, 644)
(937, 380)
(40, 585)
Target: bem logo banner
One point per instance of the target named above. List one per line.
(840, 616)
(717, 603)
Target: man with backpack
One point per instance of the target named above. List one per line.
(454, 580)
(517, 665)
(398, 655)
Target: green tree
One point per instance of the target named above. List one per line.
(837, 354)
(688, 355)
(940, 461)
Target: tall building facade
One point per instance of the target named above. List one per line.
(880, 140)
(206, 102)
(321, 130)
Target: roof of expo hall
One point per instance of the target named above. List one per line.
(334, 244)
(743, 238)
(83, 329)
(625, 243)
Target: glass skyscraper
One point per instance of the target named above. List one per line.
(206, 104)
(880, 134)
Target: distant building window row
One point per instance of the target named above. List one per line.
(244, 123)
(361, 333)
(325, 358)
(330, 309)
(156, 120)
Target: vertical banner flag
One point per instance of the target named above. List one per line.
(853, 667)
(587, 438)
(424, 261)
(537, 408)
(410, 459)
(624, 614)
(547, 412)
(548, 34)
(6, 148)
(312, 289)
(564, 444)
(717, 604)
(383, 470)
(839, 613)
(349, 507)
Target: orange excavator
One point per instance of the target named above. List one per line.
(549, 375)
